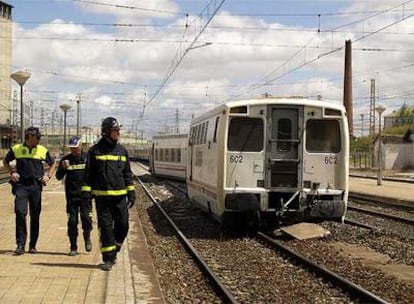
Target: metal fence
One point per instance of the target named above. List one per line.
(361, 160)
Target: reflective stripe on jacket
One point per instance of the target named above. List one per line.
(107, 171)
(74, 174)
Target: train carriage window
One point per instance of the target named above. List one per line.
(161, 154)
(193, 136)
(323, 136)
(178, 155)
(203, 130)
(167, 155)
(173, 155)
(245, 134)
(205, 133)
(284, 131)
(198, 134)
(215, 129)
(190, 137)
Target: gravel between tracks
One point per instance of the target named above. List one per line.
(255, 274)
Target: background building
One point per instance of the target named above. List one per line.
(6, 131)
(5, 61)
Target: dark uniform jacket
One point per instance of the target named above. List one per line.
(108, 171)
(29, 162)
(74, 174)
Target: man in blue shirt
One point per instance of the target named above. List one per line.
(27, 179)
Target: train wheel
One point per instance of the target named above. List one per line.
(253, 220)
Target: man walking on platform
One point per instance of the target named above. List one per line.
(72, 168)
(27, 180)
(108, 178)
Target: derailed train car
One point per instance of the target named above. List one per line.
(270, 158)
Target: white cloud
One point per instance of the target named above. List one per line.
(116, 78)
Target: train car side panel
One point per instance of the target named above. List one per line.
(204, 165)
(169, 156)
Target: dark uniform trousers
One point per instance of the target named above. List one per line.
(74, 207)
(29, 192)
(113, 224)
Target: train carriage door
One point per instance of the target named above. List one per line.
(189, 173)
(283, 150)
(152, 157)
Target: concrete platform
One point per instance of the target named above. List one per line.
(401, 191)
(51, 276)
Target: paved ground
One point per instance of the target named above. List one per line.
(388, 189)
(51, 276)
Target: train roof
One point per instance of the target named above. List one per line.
(268, 101)
(167, 136)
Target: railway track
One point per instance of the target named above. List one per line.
(217, 285)
(353, 290)
(382, 201)
(397, 218)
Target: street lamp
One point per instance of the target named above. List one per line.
(65, 109)
(21, 77)
(380, 110)
(78, 100)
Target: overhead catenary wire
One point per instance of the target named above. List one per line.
(129, 7)
(122, 83)
(183, 48)
(269, 79)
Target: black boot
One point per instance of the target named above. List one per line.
(88, 242)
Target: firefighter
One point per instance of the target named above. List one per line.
(27, 179)
(108, 178)
(72, 168)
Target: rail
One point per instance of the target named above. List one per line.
(221, 290)
(354, 289)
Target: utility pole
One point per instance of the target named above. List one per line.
(348, 99)
(14, 119)
(362, 124)
(42, 118)
(372, 109)
(380, 110)
(65, 108)
(177, 121)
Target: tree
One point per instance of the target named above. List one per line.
(405, 118)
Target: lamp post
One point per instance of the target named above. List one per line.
(21, 77)
(380, 110)
(65, 109)
(78, 100)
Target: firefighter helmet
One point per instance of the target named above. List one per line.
(108, 124)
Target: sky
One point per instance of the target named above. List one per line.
(155, 64)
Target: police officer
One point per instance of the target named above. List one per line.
(28, 179)
(72, 166)
(108, 178)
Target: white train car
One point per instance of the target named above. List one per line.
(143, 152)
(169, 156)
(272, 158)
(139, 152)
